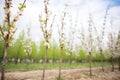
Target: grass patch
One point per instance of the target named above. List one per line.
(39, 66)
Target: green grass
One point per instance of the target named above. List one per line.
(39, 66)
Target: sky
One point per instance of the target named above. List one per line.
(79, 9)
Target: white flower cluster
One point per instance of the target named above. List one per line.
(70, 40)
(46, 44)
(27, 44)
(117, 46)
(47, 30)
(8, 5)
(62, 40)
(114, 45)
(61, 30)
(90, 37)
(9, 29)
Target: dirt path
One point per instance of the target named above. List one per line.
(67, 74)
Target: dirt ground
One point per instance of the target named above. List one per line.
(67, 74)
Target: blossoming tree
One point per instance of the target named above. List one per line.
(8, 29)
(70, 40)
(113, 45)
(87, 42)
(100, 37)
(47, 31)
(117, 48)
(27, 44)
(61, 39)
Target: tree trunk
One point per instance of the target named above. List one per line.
(119, 62)
(27, 61)
(112, 63)
(70, 58)
(90, 62)
(20, 60)
(3, 63)
(44, 65)
(60, 63)
(101, 54)
(16, 60)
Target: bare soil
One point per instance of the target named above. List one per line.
(67, 74)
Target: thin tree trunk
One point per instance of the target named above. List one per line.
(3, 63)
(101, 54)
(76, 60)
(70, 58)
(60, 63)
(90, 62)
(112, 63)
(6, 45)
(27, 61)
(53, 60)
(44, 65)
(119, 62)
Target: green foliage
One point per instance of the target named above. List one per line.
(41, 50)
(1, 47)
(53, 51)
(97, 56)
(11, 52)
(82, 55)
(36, 66)
(34, 53)
(56, 52)
(17, 50)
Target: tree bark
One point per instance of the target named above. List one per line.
(112, 63)
(70, 58)
(44, 65)
(3, 63)
(101, 54)
(60, 63)
(6, 38)
(90, 62)
(119, 62)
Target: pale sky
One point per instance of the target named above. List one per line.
(77, 8)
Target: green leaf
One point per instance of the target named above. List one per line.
(21, 6)
(24, 6)
(43, 21)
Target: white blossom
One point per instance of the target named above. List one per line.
(5, 34)
(46, 44)
(6, 10)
